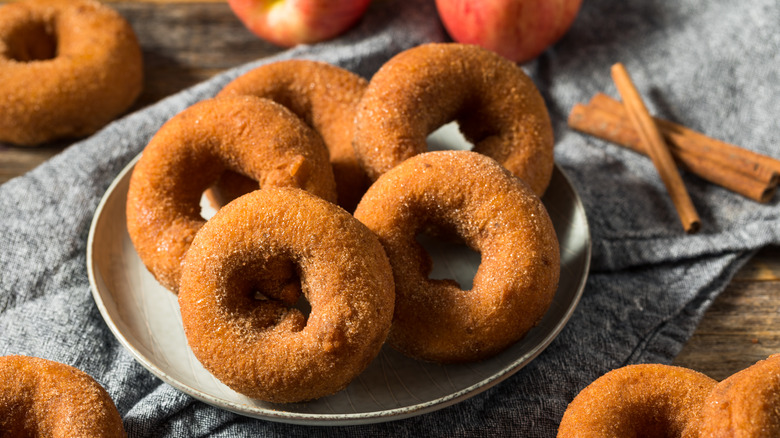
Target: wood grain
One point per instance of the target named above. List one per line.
(185, 42)
(742, 326)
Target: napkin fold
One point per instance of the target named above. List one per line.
(710, 65)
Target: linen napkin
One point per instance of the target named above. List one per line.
(710, 65)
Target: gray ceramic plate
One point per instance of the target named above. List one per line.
(145, 318)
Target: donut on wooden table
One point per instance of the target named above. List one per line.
(67, 68)
(746, 404)
(648, 400)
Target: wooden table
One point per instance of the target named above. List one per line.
(187, 42)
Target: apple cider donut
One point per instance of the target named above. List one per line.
(472, 196)
(648, 400)
(263, 348)
(40, 397)
(326, 98)
(746, 404)
(496, 105)
(246, 134)
(67, 67)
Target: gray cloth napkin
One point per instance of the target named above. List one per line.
(710, 65)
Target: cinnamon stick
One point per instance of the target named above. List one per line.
(760, 167)
(657, 148)
(593, 120)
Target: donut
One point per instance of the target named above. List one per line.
(650, 400)
(67, 68)
(471, 196)
(497, 107)
(326, 98)
(746, 404)
(246, 134)
(263, 348)
(40, 397)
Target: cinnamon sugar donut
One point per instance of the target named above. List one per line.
(39, 397)
(263, 348)
(746, 404)
(326, 98)
(495, 103)
(252, 136)
(494, 213)
(638, 400)
(67, 67)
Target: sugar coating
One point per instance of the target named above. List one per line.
(39, 397)
(246, 134)
(746, 404)
(326, 98)
(67, 67)
(266, 349)
(638, 400)
(496, 105)
(494, 213)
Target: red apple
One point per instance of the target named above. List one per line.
(290, 22)
(517, 29)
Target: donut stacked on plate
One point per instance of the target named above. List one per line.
(285, 296)
(473, 197)
(653, 400)
(67, 67)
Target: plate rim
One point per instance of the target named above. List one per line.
(341, 419)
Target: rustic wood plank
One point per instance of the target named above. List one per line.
(184, 44)
(741, 327)
(15, 161)
(764, 266)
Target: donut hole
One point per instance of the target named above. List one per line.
(229, 186)
(452, 258)
(263, 294)
(654, 419)
(17, 413)
(290, 293)
(448, 137)
(32, 41)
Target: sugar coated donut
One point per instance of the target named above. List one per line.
(648, 400)
(326, 98)
(263, 348)
(746, 404)
(67, 67)
(496, 105)
(39, 397)
(249, 135)
(493, 212)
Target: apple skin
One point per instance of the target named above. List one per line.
(287, 23)
(519, 30)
